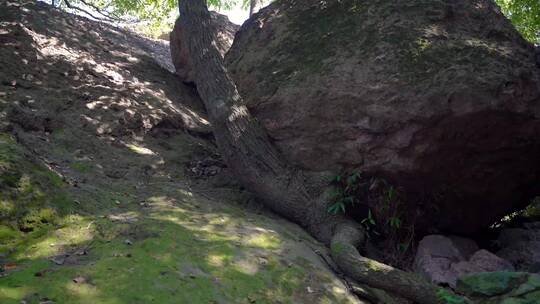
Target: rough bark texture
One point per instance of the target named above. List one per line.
(223, 33)
(260, 167)
(441, 98)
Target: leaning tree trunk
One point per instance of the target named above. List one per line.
(252, 4)
(262, 170)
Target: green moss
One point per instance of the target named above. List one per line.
(37, 217)
(7, 233)
(166, 263)
(490, 283)
(337, 248)
(33, 198)
(309, 49)
(419, 46)
(448, 297)
(81, 167)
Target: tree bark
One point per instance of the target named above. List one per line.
(261, 169)
(252, 4)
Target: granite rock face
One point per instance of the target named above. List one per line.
(441, 98)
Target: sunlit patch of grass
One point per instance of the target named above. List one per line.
(169, 259)
(82, 290)
(140, 149)
(13, 294)
(216, 260)
(266, 240)
(76, 230)
(177, 249)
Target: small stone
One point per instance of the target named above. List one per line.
(59, 260)
(79, 280)
(310, 290)
(128, 242)
(46, 301)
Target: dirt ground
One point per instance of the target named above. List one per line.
(112, 190)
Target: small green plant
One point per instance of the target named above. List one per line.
(394, 222)
(369, 225)
(346, 188)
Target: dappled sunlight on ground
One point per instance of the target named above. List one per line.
(110, 134)
(77, 230)
(171, 253)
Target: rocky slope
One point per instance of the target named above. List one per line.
(99, 203)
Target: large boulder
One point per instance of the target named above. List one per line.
(223, 35)
(521, 246)
(501, 287)
(435, 256)
(441, 98)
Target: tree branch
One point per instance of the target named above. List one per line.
(104, 18)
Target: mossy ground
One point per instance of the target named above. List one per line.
(99, 209)
(173, 247)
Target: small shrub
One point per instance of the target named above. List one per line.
(345, 192)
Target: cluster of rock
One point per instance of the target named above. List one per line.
(512, 275)
(443, 260)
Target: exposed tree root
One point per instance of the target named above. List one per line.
(408, 285)
(261, 169)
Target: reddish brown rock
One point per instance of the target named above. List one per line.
(441, 98)
(223, 34)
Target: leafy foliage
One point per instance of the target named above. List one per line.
(152, 18)
(345, 192)
(369, 225)
(154, 11)
(525, 15)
